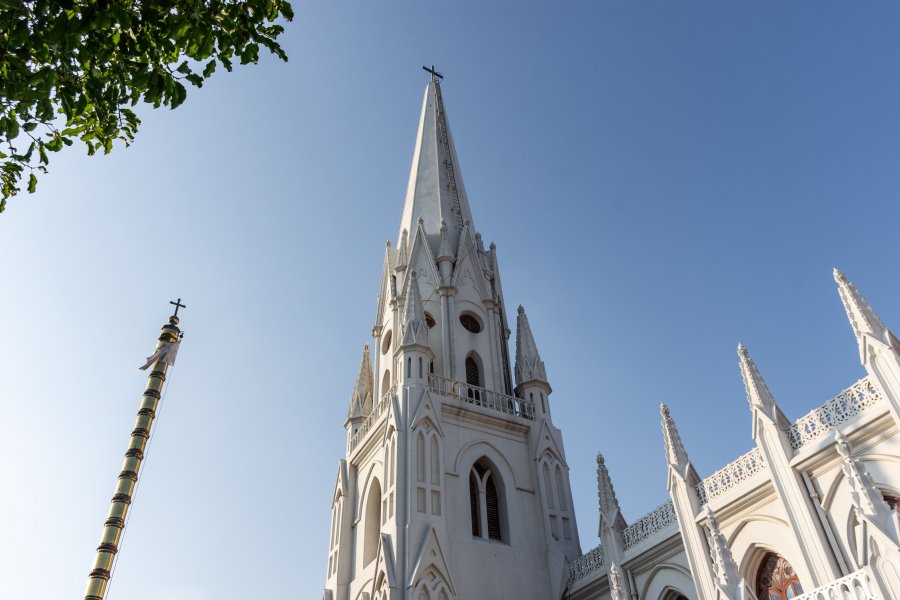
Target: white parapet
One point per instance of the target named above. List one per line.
(659, 519)
(479, 396)
(586, 564)
(852, 401)
(373, 417)
(731, 475)
(854, 586)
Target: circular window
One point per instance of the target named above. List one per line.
(470, 322)
(386, 344)
(429, 320)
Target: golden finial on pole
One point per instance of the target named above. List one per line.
(160, 360)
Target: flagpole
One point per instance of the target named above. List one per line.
(166, 347)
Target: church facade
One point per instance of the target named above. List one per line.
(455, 482)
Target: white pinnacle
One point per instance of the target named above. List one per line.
(361, 397)
(676, 455)
(862, 318)
(758, 394)
(529, 366)
(415, 330)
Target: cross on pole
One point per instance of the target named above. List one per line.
(178, 305)
(434, 74)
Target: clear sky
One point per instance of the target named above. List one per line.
(662, 180)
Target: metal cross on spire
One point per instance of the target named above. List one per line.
(178, 305)
(434, 74)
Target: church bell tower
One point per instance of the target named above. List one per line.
(455, 483)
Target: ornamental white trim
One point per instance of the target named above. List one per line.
(854, 586)
(659, 519)
(731, 475)
(586, 564)
(479, 396)
(373, 417)
(857, 398)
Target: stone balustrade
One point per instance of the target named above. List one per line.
(586, 564)
(852, 401)
(731, 475)
(479, 396)
(377, 411)
(854, 586)
(659, 519)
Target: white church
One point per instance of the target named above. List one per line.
(455, 483)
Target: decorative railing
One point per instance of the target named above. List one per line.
(480, 396)
(377, 411)
(854, 586)
(731, 475)
(852, 401)
(661, 518)
(586, 564)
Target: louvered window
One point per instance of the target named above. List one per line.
(485, 501)
(474, 503)
(492, 506)
(472, 375)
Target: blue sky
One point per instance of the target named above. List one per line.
(662, 181)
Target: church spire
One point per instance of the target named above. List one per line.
(435, 190)
(529, 366)
(415, 330)
(361, 397)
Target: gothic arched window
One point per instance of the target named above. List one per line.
(385, 383)
(373, 522)
(892, 501)
(428, 472)
(485, 502)
(776, 579)
(473, 373)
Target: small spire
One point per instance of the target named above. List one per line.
(758, 394)
(863, 491)
(361, 397)
(415, 330)
(529, 366)
(606, 494)
(403, 251)
(676, 455)
(728, 577)
(862, 318)
(444, 251)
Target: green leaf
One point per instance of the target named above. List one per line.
(32, 183)
(87, 61)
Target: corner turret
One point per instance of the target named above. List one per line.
(531, 375)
